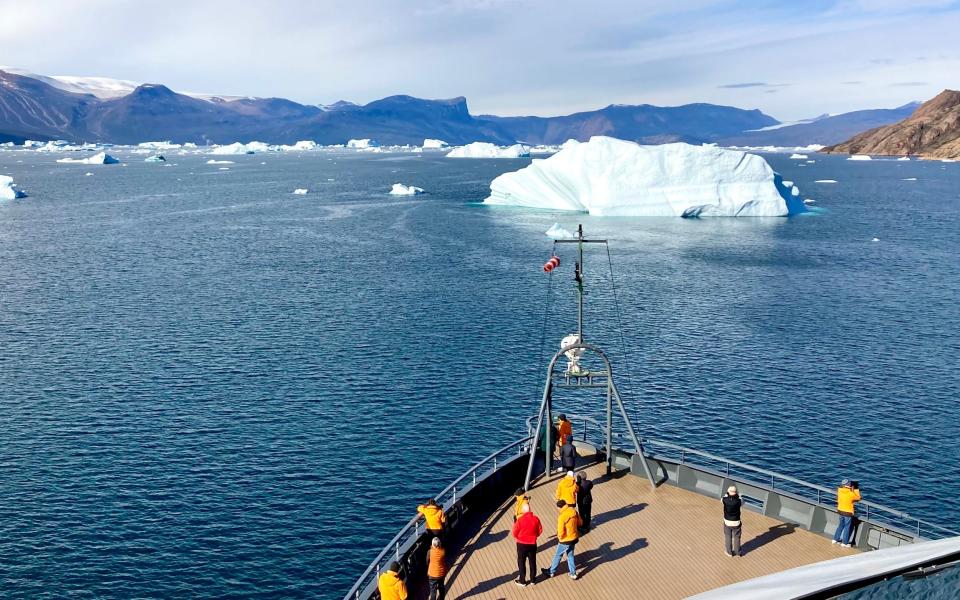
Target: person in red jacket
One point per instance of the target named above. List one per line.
(526, 531)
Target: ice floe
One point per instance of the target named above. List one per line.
(612, 177)
(399, 189)
(8, 189)
(363, 144)
(300, 191)
(434, 144)
(909, 179)
(155, 159)
(159, 145)
(488, 150)
(825, 181)
(798, 156)
(219, 162)
(557, 232)
(238, 148)
(904, 158)
(101, 158)
(860, 157)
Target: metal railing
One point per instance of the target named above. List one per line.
(448, 499)
(879, 514)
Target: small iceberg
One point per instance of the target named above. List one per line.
(611, 177)
(909, 179)
(363, 144)
(238, 148)
(875, 240)
(101, 158)
(301, 146)
(904, 158)
(859, 157)
(429, 144)
(557, 232)
(8, 189)
(300, 191)
(487, 150)
(399, 189)
(219, 162)
(167, 145)
(825, 181)
(798, 156)
(155, 159)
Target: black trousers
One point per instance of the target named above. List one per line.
(526, 554)
(438, 590)
(434, 533)
(585, 514)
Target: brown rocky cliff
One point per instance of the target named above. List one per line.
(932, 131)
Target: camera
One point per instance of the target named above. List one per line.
(854, 485)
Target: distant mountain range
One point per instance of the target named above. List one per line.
(103, 110)
(932, 131)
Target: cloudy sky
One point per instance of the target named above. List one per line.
(508, 57)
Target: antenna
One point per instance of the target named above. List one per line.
(573, 347)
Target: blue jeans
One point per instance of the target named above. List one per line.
(843, 532)
(561, 549)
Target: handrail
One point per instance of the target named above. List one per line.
(916, 524)
(393, 546)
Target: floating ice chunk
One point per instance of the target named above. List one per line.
(88, 174)
(434, 144)
(159, 145)
(155, 159)
(399, 189)
(904, 158)
(101, 158)
(875, 240)
(487, 150)
(8, 189)
(808, 201)
(557, 232)
(795, 191)
(362, 144)
(300, 146)
(219, 162)
(860, 157)
(825, 181)
(798, 156)
(810, 162)
(612, 177)
(238, 148)
(909, 179)
(787, 183)
(949, 160)
(300, 191)
(224, 169)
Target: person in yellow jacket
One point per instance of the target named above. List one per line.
(847, 495)
(433, 515)
(567, 489)
(520, 499)
(568, 532)
(564, 432)
(390, 585)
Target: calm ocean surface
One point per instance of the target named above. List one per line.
(211, 387)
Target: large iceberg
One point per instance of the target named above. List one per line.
(612, 177)
(101, 158)
(8, 189)
(487, 150)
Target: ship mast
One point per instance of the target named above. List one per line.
(577, 378)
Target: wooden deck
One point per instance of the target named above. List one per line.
(666, 543)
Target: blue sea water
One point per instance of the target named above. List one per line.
(211, 387)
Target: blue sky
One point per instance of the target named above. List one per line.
(790, 59)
